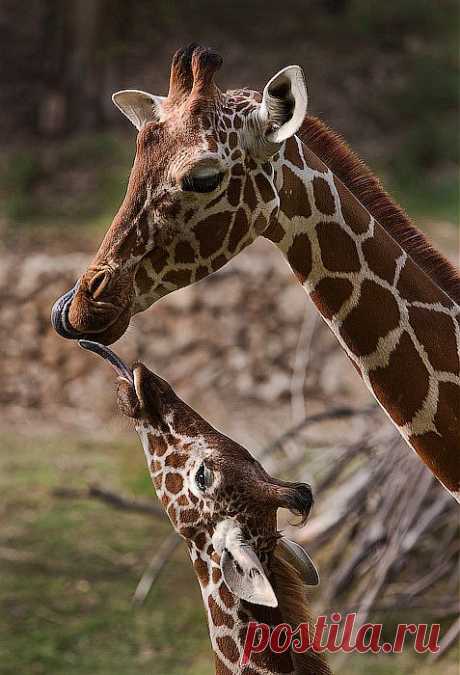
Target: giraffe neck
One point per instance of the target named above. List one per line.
(228, 620)
(398, 327)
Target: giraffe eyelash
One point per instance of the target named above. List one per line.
(201, 184)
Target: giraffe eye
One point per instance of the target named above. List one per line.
(203, 477)
(201, 184)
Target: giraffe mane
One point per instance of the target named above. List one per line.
(294, 603)
(332, 149)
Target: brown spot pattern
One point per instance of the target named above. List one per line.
(201, 272)
(324, 199)
(439, 458)
(179, 278)
(226, 596)
(414, 284)
(216, 575)
(218, 262)
(338, 250)
(212, 144)
(401, 396)
(211, 232)
(190, 516)
(260, 224)
(234, 191)
(376, 314)
(300, 256)
(219, 618)
(330, 294)
(233, 140)
(201, 570)
(292, 153)
(436, 332)
(295, 198)
(274, 232)
(200, 540)
(155, 466)
(157, 445)
(265, 188)
(312, 160)
(239, 230)
(184, 252)
(158, 259)
(249, 195)
(447, 418)
(221, 668)
(216, 200)
(228, 648)
(174, 482)
(381, 253)
(354, 213)
(176, 460)
(143, 281)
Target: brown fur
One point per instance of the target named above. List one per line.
(293, 603)
(338, 156)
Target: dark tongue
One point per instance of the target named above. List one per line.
(117, 364)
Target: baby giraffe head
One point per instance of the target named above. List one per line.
(216, 494)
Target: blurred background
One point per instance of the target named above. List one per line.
(91, 579)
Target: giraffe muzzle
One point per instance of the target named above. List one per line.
(60, 315)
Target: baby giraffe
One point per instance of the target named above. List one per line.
(223, 503)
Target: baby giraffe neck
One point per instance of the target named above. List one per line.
(229, 618)
(396, 324)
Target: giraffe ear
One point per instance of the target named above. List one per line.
(138, 106)
(242, 570)
(284, 104)
(299, 559)
(244, 575)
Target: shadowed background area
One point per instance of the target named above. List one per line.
(79, 526)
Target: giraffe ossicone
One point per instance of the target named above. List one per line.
(224, 504)
(213, 171)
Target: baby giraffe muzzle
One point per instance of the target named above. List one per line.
(224, 504)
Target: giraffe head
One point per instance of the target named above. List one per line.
(217, 496)
(202, 188)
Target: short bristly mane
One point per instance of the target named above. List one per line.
(293, 602)
(359, 179)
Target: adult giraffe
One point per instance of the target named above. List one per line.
(215, 170)
(223, 503)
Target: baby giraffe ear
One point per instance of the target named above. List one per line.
(241, 569)
(284, 104)
(138, 106)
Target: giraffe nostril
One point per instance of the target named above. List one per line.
(98, 284)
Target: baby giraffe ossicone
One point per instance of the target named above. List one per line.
(224, 504)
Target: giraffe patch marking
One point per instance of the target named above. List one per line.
(401, 396)
(367, 323)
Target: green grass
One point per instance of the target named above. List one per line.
(69, 568)
(78, 182)
(66, 601)
(428, 198)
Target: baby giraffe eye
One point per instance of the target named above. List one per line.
(203, 477)
(204, 183)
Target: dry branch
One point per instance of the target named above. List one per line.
(155, 567)
(112, 498)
